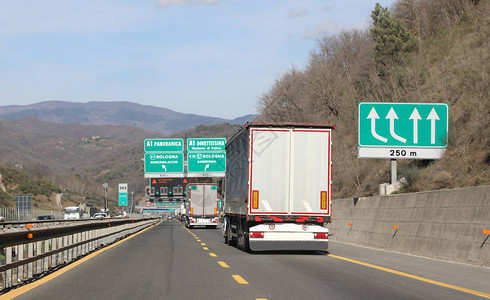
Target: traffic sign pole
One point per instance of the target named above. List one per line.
(394, 175)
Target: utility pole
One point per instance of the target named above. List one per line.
(132, 203)
(105, 185)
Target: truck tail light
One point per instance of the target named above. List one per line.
(323, 200)
(256, 234)
(255, 199)
(192, 211)
(320, 235)
(215, 211)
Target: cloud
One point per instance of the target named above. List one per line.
(165, 3)
(325, 27)
(330, 28)
(298, 12)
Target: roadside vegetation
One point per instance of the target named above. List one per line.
(416, 51)
(15, 182)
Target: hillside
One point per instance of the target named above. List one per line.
(78, 158)
(225, 130)
(150, 118)
(420, 51)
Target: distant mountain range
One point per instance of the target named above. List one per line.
(151, 118)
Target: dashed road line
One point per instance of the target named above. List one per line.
(239, 279)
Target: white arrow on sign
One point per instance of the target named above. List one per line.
(415, 116)
(433, 117)
(392, 116)
(206, 167)
(164, 167)
(373, 115)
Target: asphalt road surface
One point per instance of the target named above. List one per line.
(168, 261)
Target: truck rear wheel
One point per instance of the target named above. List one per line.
(242, 238)
(229, 236)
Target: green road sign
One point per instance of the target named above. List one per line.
(194, 145)
(206, 162)
(164, 145)
(163, 163)
(402, 130)
(123, 194)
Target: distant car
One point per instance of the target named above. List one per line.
(47, 217)
(100, 216)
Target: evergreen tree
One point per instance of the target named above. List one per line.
(393, 42)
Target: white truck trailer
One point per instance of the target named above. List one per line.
(202, 205)
(72, 213)
(278, 187)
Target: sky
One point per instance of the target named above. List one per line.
(207, 57)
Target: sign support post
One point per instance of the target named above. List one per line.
(393, 171)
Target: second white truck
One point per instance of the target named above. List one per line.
(202, 205)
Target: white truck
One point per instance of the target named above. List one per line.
(202, 205)
(72, 213)
(277, 191)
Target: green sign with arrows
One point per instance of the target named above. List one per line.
(206, 162)
(164, 163)
(402, 130)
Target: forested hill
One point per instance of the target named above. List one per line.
(415, 51)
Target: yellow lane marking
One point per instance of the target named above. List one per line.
(212, 255)
(450, 286)
(205, 248)
(239, 279)
(23, 289)
(203, 244)
(223, 264)
(198, 240)
(261, 299)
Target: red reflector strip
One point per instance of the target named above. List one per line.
(320, 235)
(192, 221)
(323, 200)
(256, 234)
(277, 219)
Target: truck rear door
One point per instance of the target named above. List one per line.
(204, 199)
(310, 171)
(269, 169)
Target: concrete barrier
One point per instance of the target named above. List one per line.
(448, 225)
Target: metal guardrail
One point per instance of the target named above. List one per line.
(43, 223)
(29, 251)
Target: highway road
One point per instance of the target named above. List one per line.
(167, 261)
